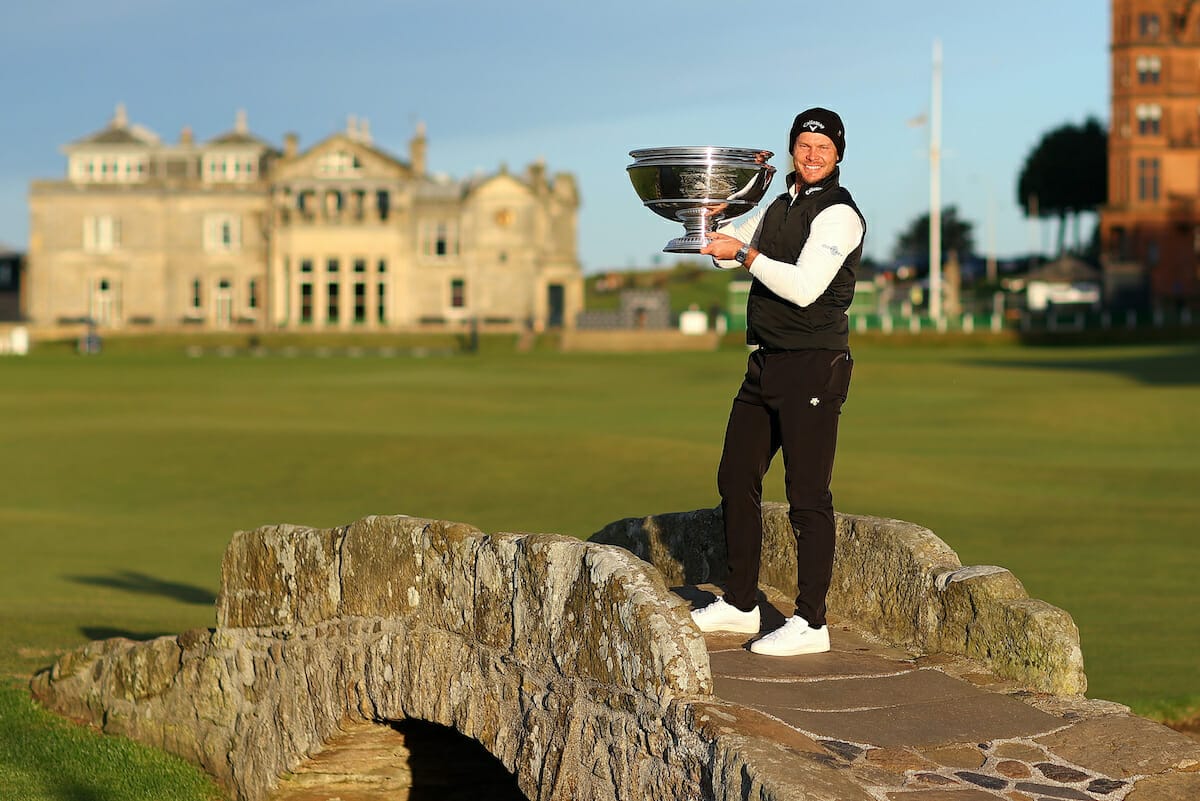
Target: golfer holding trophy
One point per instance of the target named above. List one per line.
(802, 251)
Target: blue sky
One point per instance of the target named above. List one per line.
(577, 84)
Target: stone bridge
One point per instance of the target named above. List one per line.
(577, 667)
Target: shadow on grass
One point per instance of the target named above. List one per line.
(72, 790)
(133, 581)
(108, 632)
(1179, 367)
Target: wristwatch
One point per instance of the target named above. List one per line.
(742, 254)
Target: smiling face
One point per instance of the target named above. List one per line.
(814, 156)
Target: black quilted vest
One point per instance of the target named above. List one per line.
(771, 321)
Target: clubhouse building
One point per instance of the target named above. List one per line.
(234, 232)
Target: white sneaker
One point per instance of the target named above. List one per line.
(792, 638)
(720, 616)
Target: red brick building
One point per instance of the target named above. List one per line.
(1150, 228)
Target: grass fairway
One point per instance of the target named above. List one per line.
(125, 475)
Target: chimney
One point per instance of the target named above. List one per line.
(239, 121)
(416, 150)
(352, 127)
(185, 136)
(364, 131)
(120, 118)
(537, 175)
(291, 144)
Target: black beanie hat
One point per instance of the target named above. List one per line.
(822, 121)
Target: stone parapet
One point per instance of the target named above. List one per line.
(893, 579)
(604, 616)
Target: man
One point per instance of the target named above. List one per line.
(802, 251)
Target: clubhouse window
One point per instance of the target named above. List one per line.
(109, 169)
(458, 293)
(101, 233)
(339, 162)
(439, 239)
(306, 303)
(234, 167)
(381, 309)
(360, 303)
(334, 304)
(222, 233)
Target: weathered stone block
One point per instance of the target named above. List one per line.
(448, 576)
(280, 576)
(381, 566)
(883, 577)
(493, 574)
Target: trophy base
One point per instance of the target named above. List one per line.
(689, 243)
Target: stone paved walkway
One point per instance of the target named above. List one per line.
(937, 729)
(896, 727)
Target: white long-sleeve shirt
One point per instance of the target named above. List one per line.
(834, 235)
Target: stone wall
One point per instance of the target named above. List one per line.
(622, 341)
(893, 579)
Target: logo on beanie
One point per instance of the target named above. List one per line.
(812, 125)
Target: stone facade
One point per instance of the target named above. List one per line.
(234, 232)
(1150, 227)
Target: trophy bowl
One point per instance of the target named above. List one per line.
(699, 186)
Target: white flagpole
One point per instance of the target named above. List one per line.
(935, 188)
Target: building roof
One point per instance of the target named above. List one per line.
(115, 136)
(236, 137)
(119, 132)
(1067, 270)
(240, 135)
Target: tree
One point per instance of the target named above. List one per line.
(1065, 175)
(913, 242)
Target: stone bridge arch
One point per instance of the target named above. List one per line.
(570, 662)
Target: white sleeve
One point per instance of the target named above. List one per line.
(743, 229)
(835, 233)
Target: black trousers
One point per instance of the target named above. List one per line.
(789, 400)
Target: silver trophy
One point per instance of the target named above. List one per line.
(699, 186)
